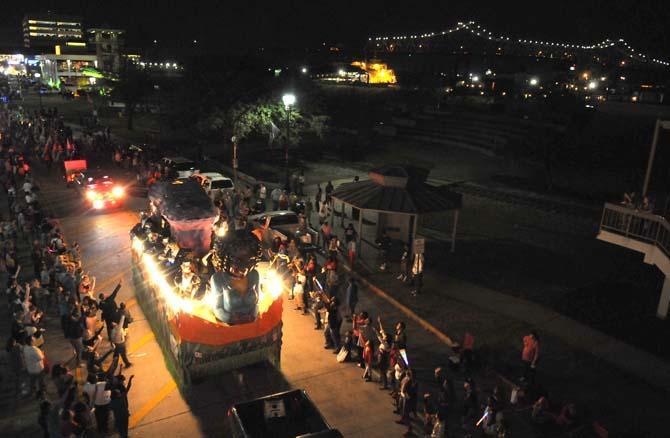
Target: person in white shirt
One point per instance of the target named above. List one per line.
(33, 360)
(27, 186)
(119, 341)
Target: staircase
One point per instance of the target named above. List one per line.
(642, 232)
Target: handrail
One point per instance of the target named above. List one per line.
(639, 225)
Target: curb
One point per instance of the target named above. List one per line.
(443, 337)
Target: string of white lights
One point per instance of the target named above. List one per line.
(482, 32)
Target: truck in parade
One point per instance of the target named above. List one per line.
(214, 305)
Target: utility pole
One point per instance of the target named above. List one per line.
(288, 140)
(234, 141)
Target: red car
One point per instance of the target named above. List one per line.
(100, 191)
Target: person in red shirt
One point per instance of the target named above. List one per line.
(530, 355)
(367, 358)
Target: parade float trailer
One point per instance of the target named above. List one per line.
(194, 341)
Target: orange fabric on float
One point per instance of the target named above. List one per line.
(196, 330)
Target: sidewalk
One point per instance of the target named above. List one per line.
(578, 363)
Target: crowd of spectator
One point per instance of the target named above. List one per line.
(76, 397)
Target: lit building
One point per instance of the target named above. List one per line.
(69, 72)
(377, 73)
(49, 30)
(108, 44)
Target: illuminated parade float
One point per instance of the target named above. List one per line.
(214, 306)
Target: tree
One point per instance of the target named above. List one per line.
(132, 88)
(265, 117)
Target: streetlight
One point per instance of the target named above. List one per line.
(289, 100)
(234, 141)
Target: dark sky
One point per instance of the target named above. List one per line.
(299, 23)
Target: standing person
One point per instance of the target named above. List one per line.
(400, 337)
(263, 194)
(74, 332)
(351, 253)
(324, 212)
(309, 208)
(329, 190)
(350, 233)
(383, 360)
(109, 309)
(119, 340)
(301, 183)
(326, 232)
(123, 312)
(119, 406)
(408, 397)
(362, 327)
(33, 360)
(101, 399)
(333, 247)
(275, 195)
(470, 404)
(404, 261)
(417, 274)
(352, 297)
(384, 245)
(367, 359)
(283, 200)
(318, 197)
(529, 356)
(334, 321)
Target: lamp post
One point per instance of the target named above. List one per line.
(289, 100)
(234, 141)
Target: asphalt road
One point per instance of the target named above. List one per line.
(157, 406)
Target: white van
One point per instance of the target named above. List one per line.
(214, 183)
(181, 167)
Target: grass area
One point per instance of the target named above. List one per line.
(75, 110)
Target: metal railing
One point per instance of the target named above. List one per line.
(638, 225)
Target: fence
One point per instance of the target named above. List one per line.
(642, 226)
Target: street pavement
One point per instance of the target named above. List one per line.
(157, 406)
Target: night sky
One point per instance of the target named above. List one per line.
(227, 25)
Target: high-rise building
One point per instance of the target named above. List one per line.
(48, 30)
(107, 43)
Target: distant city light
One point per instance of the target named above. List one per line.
(572, 68)
(155, 41)
(593, 85)
(534, 81)
(304, 69)
(341, 72)
(488, 72)
(195, 41)
(475, 78)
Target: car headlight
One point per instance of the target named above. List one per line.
(118, 191)
(98, 204)
(91, 195)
